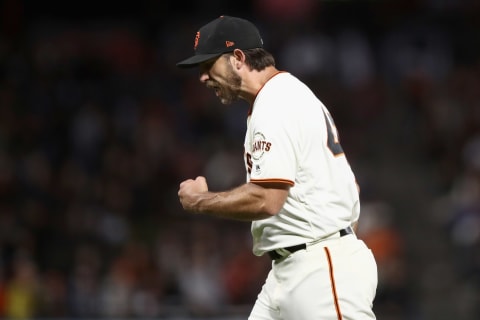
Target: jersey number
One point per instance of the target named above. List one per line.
(333, 140)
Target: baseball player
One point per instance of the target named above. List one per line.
(300, 195)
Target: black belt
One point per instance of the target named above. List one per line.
(274, 255)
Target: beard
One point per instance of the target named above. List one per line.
(230, 91)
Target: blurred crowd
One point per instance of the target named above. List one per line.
(98, 127)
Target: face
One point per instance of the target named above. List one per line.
(218, 74)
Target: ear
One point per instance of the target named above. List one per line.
(239, 59)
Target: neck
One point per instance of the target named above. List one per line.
(255, 80)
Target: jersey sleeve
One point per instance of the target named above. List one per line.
(273, 151)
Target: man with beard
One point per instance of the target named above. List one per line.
(301, 195)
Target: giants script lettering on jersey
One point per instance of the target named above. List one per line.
(260, 145)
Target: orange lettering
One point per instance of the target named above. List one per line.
(197, 38)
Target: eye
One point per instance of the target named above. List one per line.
(207, 65)
(204, 67)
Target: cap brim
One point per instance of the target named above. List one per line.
(197, 59)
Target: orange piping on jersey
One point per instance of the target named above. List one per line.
(332, 282)
(281, 181)
(256, 94)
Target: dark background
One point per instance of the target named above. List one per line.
(98, 127)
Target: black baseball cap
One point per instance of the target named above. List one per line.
(222, 35)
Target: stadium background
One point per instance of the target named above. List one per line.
(98, 127)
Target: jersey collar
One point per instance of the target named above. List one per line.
(250, 110)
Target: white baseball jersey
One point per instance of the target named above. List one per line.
(292, 139)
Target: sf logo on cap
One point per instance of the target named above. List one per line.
(197, 38)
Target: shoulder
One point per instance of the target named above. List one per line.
(282, 89)
(283, 78)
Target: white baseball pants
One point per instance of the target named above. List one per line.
(334, 279)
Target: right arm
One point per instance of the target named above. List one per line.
(247, 202)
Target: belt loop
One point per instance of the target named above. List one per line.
(348, 230)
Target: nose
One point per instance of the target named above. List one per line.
(203, 76)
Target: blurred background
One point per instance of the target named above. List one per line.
(98, 127)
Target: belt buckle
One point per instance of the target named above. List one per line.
(282, 252)
(285, 252)
(279, 253)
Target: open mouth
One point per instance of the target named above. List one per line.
(214, 88)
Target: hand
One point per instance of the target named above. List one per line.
(189, 191)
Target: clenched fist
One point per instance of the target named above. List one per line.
(189, 192)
